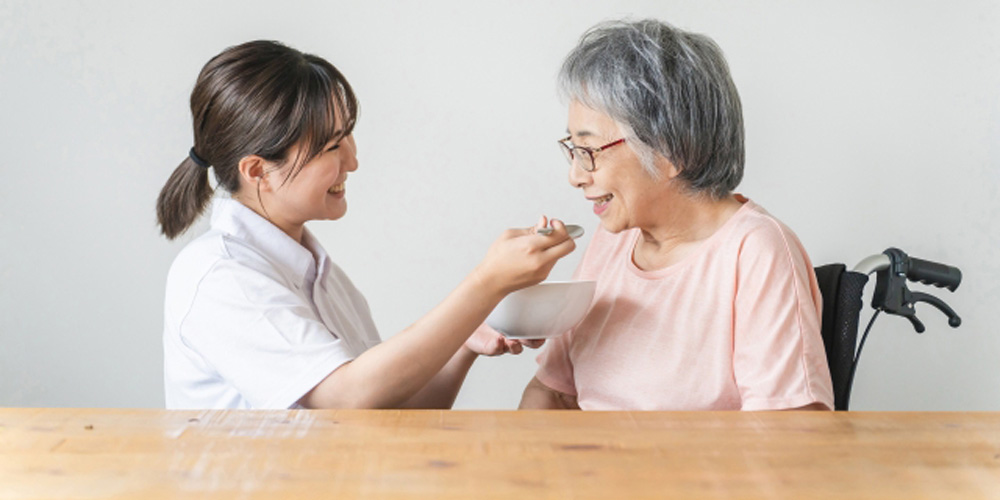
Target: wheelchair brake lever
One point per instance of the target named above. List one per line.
(896, 300)
(917, 325)
(953, 320)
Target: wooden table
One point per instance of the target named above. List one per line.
(149, 454)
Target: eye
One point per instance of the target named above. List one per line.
(333, 148)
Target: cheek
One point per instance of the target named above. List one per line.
(333, 171)
(638, 196)
(324, 178)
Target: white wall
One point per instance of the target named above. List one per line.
(869, 125)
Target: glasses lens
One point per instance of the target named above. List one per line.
(566, 151)
(586, 159)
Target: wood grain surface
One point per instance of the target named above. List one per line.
(151, 454)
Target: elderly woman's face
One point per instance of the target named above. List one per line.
(622, 191)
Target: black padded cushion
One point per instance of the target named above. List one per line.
(841, 290)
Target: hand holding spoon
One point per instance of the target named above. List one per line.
(573, 230)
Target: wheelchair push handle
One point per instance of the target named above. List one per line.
(924, 271)
(933, 273)
(896, 263)
(894, 268)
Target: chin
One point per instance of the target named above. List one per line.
(613, 226)
(336, 212)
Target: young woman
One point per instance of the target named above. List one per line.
(256, 314)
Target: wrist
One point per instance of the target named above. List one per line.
(486, 286)
(467, 352)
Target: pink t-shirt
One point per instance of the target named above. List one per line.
(735, 325)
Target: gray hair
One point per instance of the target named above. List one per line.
(672, 93)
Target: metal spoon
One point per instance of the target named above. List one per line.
(573, 230)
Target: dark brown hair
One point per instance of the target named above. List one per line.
(258, 98)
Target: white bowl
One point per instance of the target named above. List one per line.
(542, 311)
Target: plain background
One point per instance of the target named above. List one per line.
(868, 125)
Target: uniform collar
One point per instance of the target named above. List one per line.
(240, 222)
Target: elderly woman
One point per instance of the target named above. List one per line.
(704, 300)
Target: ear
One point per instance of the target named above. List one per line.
(253, 171)
(666, 167)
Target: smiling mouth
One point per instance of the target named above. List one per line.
(339, 188)
(603, 200)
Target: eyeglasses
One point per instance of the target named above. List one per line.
(587, 157)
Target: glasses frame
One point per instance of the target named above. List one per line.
(569, 149)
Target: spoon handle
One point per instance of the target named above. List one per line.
(573, 230)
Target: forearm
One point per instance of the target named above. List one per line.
(442, 390)
(393, 372)
(538, 396)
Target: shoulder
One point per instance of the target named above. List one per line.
(196, 259)
(767, 245)
(211, 248)
(759, 231)
(216, 259)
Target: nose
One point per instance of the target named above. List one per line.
(351, 151)
(579, 177)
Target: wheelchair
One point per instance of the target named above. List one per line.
(842, 303)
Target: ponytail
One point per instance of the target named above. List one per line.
(183, 198)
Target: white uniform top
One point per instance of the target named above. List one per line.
(251, 321)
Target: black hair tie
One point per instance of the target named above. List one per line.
(197, 159)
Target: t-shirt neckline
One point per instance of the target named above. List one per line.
(706, 246)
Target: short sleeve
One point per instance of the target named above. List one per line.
(778, 356)
(260, 336)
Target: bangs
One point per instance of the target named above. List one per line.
(325, 111)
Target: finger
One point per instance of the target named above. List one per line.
(533, 344)
(542, 222)
(557, 235)
(499, 345)
(515, 347)
(560, 249)
(559, 230)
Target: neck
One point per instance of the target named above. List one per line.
(678, 228)
(293, 230)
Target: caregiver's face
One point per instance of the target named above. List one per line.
(622, 192)
(318, 192)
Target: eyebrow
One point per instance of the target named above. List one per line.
(582, 133)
